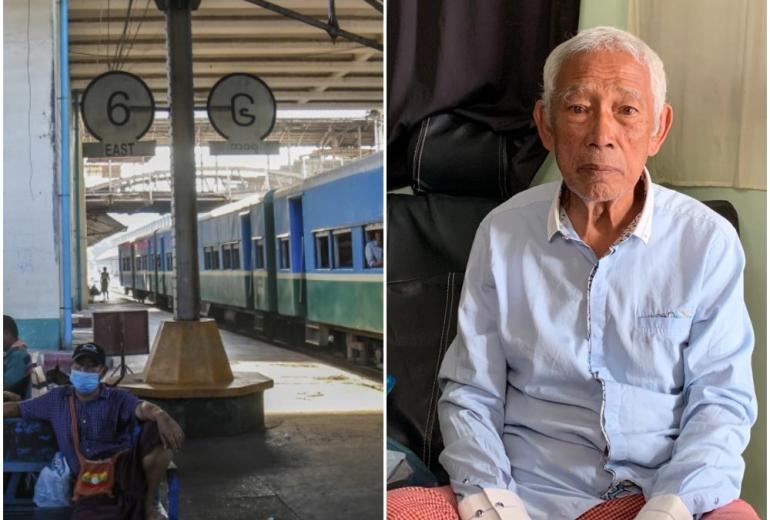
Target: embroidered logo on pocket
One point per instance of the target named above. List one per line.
(677, 314)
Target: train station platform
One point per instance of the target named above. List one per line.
(320, 456)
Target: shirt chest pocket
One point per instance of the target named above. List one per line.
(671, 330)
(657, 347)
(99, 429)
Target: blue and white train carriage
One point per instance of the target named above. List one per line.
(291, 265)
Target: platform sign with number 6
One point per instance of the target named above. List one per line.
(118, 109)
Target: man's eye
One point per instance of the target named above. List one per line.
(577, 109)
(628, 110)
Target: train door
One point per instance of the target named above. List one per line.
(133, 268)
(155, 268)
(163, 267)
(297, 250)
(246, 263)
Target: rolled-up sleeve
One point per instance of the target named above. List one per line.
(40, 408)
(706, 467)
(473, 383)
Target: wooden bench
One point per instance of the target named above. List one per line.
(28, 447)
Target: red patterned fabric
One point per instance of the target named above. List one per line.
(415, 503)
(623, 508)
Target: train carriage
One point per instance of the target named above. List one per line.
(291, 266)
(342, 211)
(224, 278)
(289, 254)
(142, 267)
(263, 262)
(165, 295)
(126, 265)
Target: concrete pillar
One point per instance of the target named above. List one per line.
(31, 224)
(184, 209)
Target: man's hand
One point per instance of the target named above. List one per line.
(10, 396)
(11, 409)
(171, 434)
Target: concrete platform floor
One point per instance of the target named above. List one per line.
(319, 458)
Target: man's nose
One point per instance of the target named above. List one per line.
(602, 132)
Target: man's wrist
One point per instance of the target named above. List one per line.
(664, 507)
(493, 504)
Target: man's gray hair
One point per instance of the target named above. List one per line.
(606, 39)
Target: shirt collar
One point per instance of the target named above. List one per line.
(643, 228)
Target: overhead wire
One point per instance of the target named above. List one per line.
(136, 32)
(122, 39)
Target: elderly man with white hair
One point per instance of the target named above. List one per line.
(602, 366)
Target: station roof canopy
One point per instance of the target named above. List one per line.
(298, 61)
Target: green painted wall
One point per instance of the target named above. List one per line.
(356, 305)
(40, 334)
(262, 292)
(752, 213)
(290, 301)
(166, 281)
(225, 287)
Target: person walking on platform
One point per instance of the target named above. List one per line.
(105, 281)
(118, 466)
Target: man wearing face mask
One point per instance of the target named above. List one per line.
(118, 471)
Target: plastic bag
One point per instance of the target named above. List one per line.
(53, 485)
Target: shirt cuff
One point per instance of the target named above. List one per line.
(493, 504)
(664, 507)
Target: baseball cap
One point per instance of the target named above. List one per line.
(91, 351)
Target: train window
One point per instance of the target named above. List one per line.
(373, 242)
(169, 262)
(322, 250)
(138, 263)
(343, 249)
(259, 253)
(210, 258)
(235, 257)
(283, 249)
(157, 262)
(226, 262)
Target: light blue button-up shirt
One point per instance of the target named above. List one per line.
(570, 374)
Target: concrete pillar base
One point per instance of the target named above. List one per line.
(188, 375)
(188, 352)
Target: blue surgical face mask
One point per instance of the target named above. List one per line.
(84, 382)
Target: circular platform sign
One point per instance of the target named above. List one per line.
(241, 108)
(117, 107)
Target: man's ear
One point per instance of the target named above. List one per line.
(664, 126)
(103, 372)
(543, 125)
